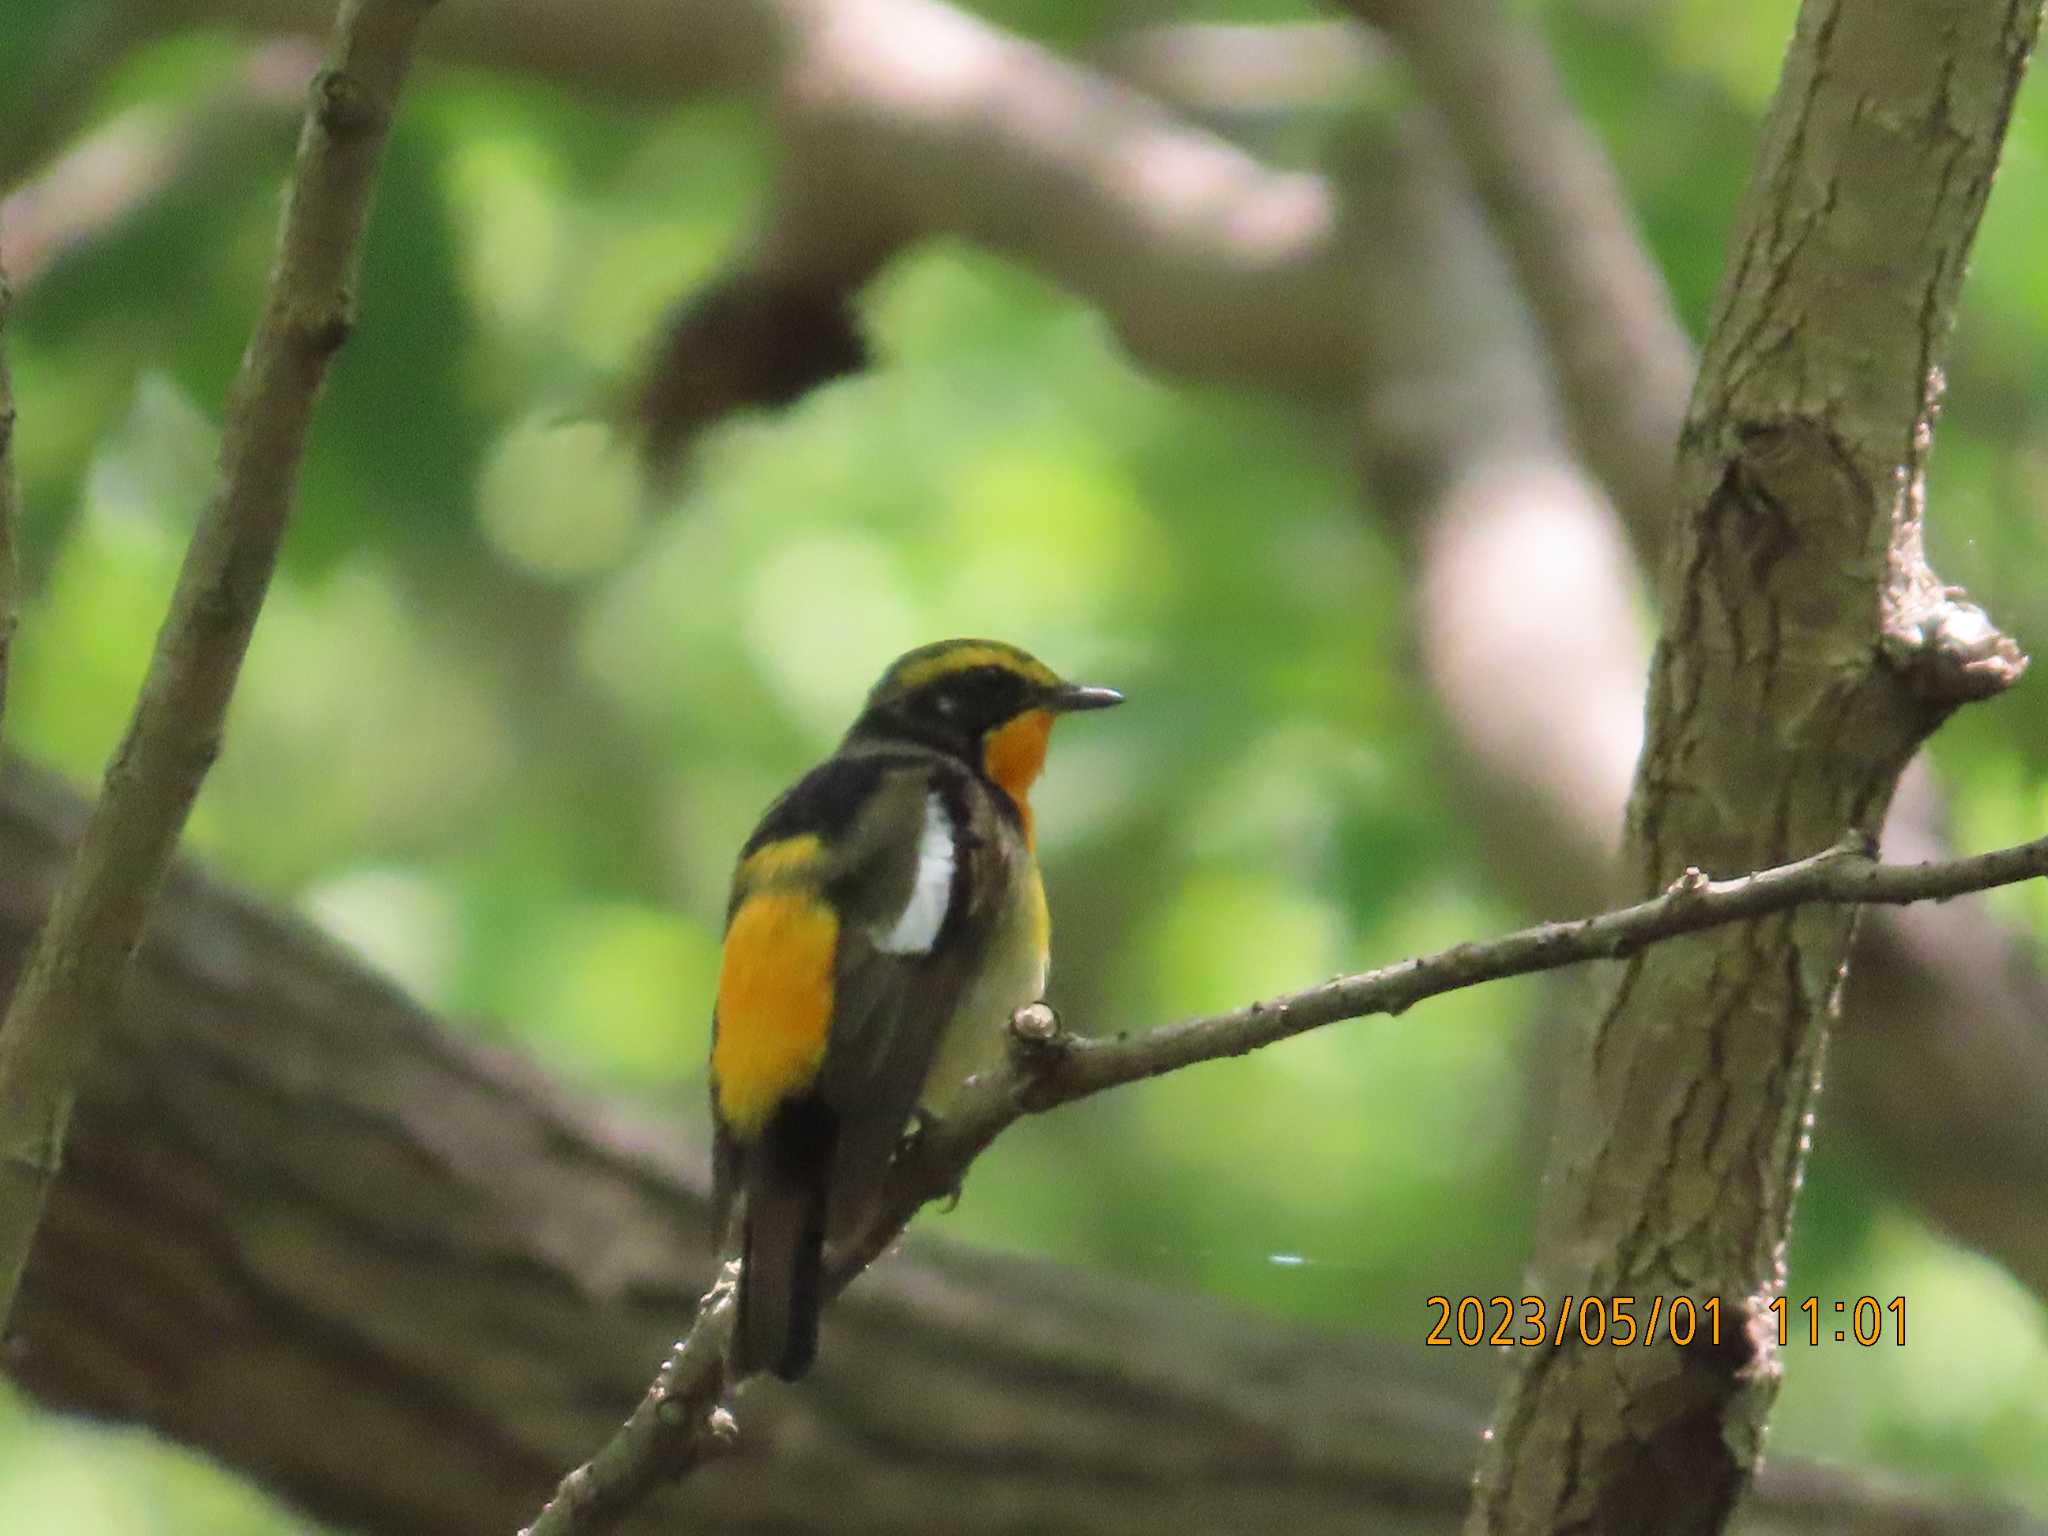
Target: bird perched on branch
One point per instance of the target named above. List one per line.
(886, 919)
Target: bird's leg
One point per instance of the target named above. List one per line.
(925, 1123)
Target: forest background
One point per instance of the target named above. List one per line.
(510, 709)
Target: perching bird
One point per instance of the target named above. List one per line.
(887, 918)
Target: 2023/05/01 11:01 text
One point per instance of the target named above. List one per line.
(1620, 1321)
(1864, 1320)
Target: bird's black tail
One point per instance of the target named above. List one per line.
(782, 1262)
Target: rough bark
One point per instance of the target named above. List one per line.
(1807, 653)
(405, 1282)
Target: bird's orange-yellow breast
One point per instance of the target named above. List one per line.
(1014, 755)
(774, 1002)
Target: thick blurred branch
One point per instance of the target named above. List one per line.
(651, 51)
(75, 973)
(1224, 72)
(93, 37)
(1524, 599)
(1555, 205)
(1808, 651)
(902, 120)
(905, 120)
(147, 154)
(405, 1281)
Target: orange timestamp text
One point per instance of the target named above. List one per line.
(1866, 1320)
(1533, 1321)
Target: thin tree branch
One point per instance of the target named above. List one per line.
(678, 1423)
(76, 973)
(1849, 873)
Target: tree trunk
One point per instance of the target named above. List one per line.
(1807, 653)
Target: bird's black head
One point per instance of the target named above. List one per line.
(959, 695)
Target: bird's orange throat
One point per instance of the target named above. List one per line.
(1013, 754)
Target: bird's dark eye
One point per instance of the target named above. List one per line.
(978, 697)
(998, 685)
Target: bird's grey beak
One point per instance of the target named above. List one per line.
(1069, 697)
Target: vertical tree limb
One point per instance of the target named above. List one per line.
(1808, 651)
(79, 966)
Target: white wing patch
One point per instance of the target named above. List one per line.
(931, 892)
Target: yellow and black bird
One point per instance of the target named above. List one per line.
(886, 919)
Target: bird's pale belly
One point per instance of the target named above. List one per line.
(1014, 975)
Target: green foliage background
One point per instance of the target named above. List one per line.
(508, 715)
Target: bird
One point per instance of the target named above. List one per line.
(887, 917)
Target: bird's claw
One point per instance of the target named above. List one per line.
(923, 1123)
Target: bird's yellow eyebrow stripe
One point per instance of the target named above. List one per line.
(774, 1002)
(919, 673)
